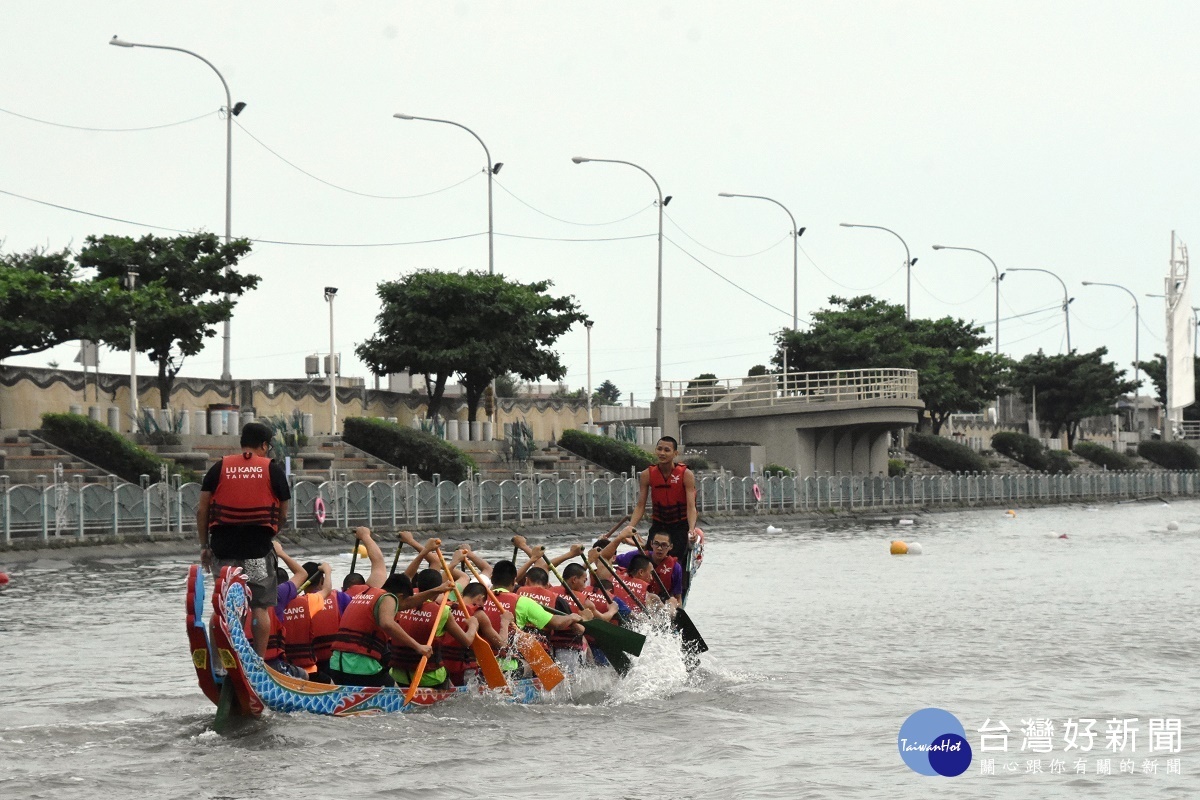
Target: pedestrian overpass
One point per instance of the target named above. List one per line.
(839, 421)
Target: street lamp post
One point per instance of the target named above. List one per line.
(908, 263)
(1137, 358)
(130, 283)
(999, 277)
(492, 169)
(1066, 298)
(231, 111)
(796, 234)
(588, 326)
(332, 367)
(658, 328)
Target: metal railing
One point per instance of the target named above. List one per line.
(48, 511)
(757, 391)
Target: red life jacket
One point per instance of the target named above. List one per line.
(544, 596)
(508, 600)
(359, 632)
(418, 623)
(325, 624)
(591, 594)
(244, 495)
(666, 571)
(638, 587)
(275, 638)
(564, 639)
(275, 642)
(357, 589)
(668, 496)
(298, 633)
(456, 658)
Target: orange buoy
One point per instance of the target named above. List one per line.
(899, 548)
(3, 579)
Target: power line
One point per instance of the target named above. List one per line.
(578, 239)
(948, 302)
(289, 243)
(834, 280)
(107, 130)
(718, 252)
(730, 282)
(90, 213)
(330, 184)
(531, 207)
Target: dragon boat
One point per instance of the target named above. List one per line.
(235, 678)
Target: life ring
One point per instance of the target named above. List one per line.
(757, 493)
(319, 510)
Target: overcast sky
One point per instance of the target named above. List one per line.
(1060, 136)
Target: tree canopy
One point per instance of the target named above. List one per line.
(44, 303)
(1070, 387)
(608, 393)
(472, 324)
(179, 296)
(955, 373)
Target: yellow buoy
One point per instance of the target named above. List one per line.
(362, 551)
(899, 548)
(1011, 513)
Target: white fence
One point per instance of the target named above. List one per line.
(842, 386)
(76, 509)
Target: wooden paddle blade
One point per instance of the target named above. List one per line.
(415, 679)
(488, 664)
(539, 660)
(611, 637)
(691, 636)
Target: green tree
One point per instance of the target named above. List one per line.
(955, 372)
(182, 284)
(756, 370)
(608, 393)
(472, 324)
(1070, 388)
(44, 303)
(1156, 371)
(509, 385)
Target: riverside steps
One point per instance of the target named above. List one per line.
(25, 458)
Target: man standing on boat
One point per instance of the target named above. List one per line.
(671, 489)
(243, 499)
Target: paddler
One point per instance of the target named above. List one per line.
(360, 648)
(526, 612)
(671, 489)
(669, 570)
(419, 623)
(354, 582)
(311, 621)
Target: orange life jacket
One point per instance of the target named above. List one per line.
(244, 495)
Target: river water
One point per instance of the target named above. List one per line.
(822, 644)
